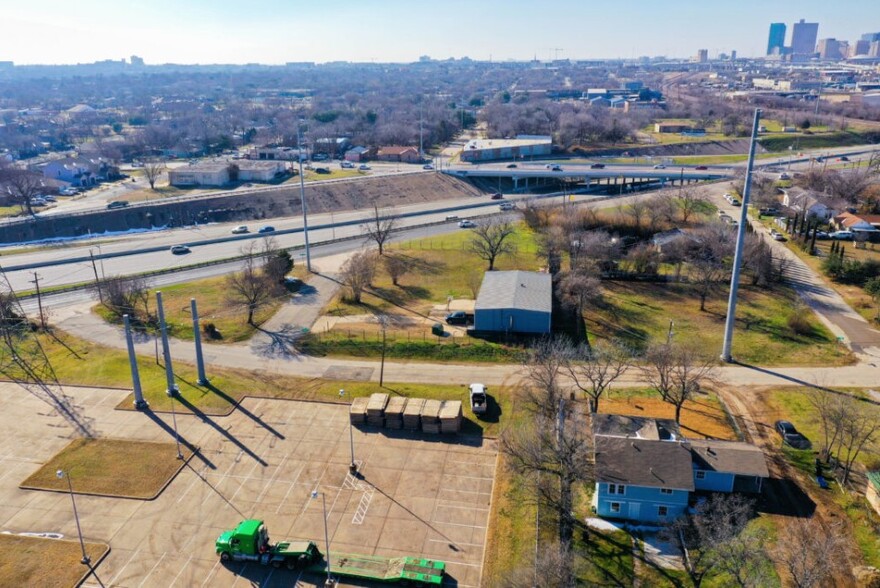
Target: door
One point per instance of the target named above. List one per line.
(634, 510)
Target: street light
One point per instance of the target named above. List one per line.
(326, 537)
(171, 394)
(86, 560)
(352, 467)
(302, 196)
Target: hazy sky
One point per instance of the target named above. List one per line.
(277, 31)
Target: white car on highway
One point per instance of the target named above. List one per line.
(240, 229)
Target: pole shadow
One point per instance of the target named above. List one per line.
(163, 425)
(209, 421)
(214, 488)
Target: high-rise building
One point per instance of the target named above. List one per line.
(871, 37)
(829, 49)
(777, 38)
(803, 38)
(136, 61)
(702, 56)
(860, 47)
(874, 49)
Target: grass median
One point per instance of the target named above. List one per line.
(47, 563)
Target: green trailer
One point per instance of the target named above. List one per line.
(401, 570)
(249, 541)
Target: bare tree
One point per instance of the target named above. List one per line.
(396, 266)
(277, 263)
(811, 555)
(636, 210)
(357, 273)
(127, 295)
(831, 412)
(22, 186)
(859, 432)
(660, 210)
(577, 289)
(715, 539)
(249, 287)
(676, 373)
(152, 171)
(379, 229)
(689, 202)
(707, 255)
(474, 281)
(601, 366)
(491, 239)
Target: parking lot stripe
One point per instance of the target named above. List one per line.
(271, 480)
(286, 494)
(182, 568)
(457, 543)
(462, 507)
(122, 569)
(152, 569)
(458, 524)
(211, 573)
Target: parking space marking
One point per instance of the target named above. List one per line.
(211, 573)
(182, 568)
(458, 524)
(465, 491)
(271, 480)
(462, 507)
(457, 543)
(122, 569)
(152, 569)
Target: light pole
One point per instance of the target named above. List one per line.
(789, 157)
(302, 196)
(174, 421)
(326, 537)
(352, 467)
(86, 560)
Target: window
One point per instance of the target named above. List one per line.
(666, 491)
(661, 511)
(616, 489)
(615, 507)
(700, 475)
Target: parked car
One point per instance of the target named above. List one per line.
(50, 198)
(659, 166)
(497, 196)
(597, 166)
(841, 235)
(701, 168)
(292, 284)
(844, 158)
(346, 164)
(784, 176)
(466, 224)
(427, 166)
(511, 166)
(769, 211)
(364, 167)
(478, 399)
(267, 229)
(735, 202)
(322, 170)
(459, 317)
(240, 229)
(117, 204)
(791, 436)
(777, 236)
(822, 235)
(38, 202)
(507, 206)
(179, 249)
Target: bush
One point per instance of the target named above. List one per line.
(211, 331)
(799, 321)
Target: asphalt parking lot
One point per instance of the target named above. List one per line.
(419, 495)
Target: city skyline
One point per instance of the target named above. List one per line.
(279, 32)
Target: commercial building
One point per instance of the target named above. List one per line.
(494, 149)
(514, 302)
(702, 56)
(803, 40)
(829, 49)
(776, 42)
(860, 47)
(400, 153)
(216, 174)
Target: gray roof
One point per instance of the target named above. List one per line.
(728, 456)
(516, 289)
(639, 462)
(619, 425)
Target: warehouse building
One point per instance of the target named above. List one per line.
(514, 302)
(494, 149)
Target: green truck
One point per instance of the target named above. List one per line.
(249, 541)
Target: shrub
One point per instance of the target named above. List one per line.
(799, 321)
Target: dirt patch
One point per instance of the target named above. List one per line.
(700, 418)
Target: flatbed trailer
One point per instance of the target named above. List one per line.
(403, 570)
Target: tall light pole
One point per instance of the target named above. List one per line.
(326, 537)
(740, 238)
(302, 196)
(352, 467)
(86, 560)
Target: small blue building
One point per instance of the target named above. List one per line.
(514, 302)
(646, 472)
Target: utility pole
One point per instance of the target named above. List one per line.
(302, 196)
(36, 283)
(97, 280)
(740, 239)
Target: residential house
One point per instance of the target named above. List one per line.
(647, 472)
(664, 240)
(399, 153)
(857, 222)
(80, 171)
(356, 154)
(806, 201)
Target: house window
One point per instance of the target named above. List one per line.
(615, 507)
(616, 489)
(661, 511)
(666, 491)
(700, 475)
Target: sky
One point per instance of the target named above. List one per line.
(279, 31)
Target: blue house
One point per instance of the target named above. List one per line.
(646, 471)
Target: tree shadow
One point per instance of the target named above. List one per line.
(278, 344)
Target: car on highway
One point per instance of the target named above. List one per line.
(117, 204)
(511, 166)
(659, 166)
(239, 230)
(844, 158)
(597, 166)
(179, 249)
(427, 166)
(466, 224)
(701, 168)
(267, 229)
(791, 436)
(507, 206)
(841, 235)
(322, 170)
(553, 167)
(364, 167)
(497, 196)
(346, 164)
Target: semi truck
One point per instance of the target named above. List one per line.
(249, 541)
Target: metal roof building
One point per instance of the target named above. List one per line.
(514, 302)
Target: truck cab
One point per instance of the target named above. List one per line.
(478, 398)
(249, 541)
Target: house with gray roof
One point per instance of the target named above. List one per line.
(646, 471)
(514, 302)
